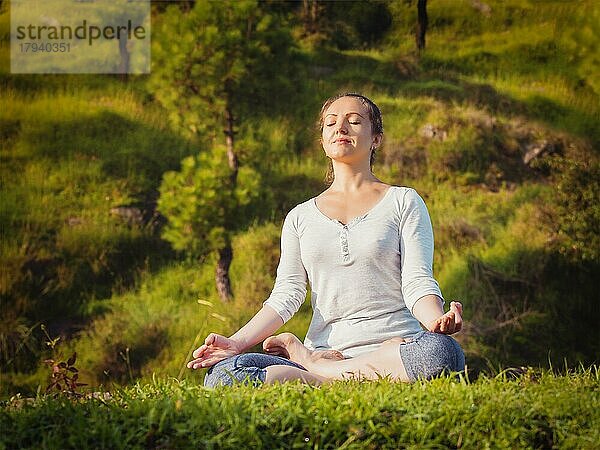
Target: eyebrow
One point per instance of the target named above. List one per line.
(350, 113)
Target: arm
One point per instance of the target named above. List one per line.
(429, 312)
(217, 347)
(289, 291)
(288, 294)
(286, 298)
(422, 294)
(261, 326)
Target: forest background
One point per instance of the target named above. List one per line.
(140, 213)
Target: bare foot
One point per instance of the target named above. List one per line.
(328, 354)
(289, 346)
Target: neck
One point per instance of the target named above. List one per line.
(351, 178)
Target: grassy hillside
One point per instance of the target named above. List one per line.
(516, 234)
(536, 409)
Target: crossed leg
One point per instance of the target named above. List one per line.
(385, 361)
(280, 373)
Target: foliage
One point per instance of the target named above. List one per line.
(198, 203)
(511, 238)
(580, 35)
(224, 55)
(578, 206)
(519, 407)
(63, 176)
(64, 375)
(355, 25)
(154, 328)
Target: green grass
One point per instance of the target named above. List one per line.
(536, 409)
(74, 146)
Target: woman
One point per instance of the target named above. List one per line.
(367, 250)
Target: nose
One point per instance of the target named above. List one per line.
(340, 127)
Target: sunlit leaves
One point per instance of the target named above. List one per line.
(199, 204)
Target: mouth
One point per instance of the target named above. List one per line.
(342, 141)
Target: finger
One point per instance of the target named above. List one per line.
(453, 319)
(273, 347)
(459, 308)
(199, 351)
(433, 326)
(458, 322)
(449, 320)
(193, 362)
(443, 324)
(450, 317)
(211, 339)
(208, 362)
(203, 357)
(278, 351)
(197, 364)
(209, 352)
(206, 352)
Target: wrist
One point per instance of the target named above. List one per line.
(428, 309)
(240, 343)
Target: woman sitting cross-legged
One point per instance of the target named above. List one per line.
(366, 248)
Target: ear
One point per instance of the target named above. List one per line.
(377, 140)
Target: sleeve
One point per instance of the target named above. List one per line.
(416, 251)
(289, 291)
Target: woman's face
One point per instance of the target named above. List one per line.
(347, 134)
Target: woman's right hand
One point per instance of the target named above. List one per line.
(215, 348)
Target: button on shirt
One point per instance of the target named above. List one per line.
(365, 276)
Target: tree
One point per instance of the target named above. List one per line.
(421, 24)
(214, 66)
(201, 209)
(345, 25)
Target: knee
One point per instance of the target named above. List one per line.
(219, 373)
(237, 368)
(431, 355)
(445, 356)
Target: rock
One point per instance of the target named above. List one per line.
(430, 131)
(537, 149)
(483, 8)
(74, 221)
(132, 214)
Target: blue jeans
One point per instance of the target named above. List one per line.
(246, 368)
(425, 355)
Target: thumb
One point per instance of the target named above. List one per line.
(210, 339)
(217, 340)
(457, 306)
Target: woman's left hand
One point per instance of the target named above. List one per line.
(449, 323)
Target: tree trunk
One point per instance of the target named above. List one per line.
(421, 24)
(222, 273)
(314, 16)
(310, 16)
(226, 253)
(229, 141)
(305, 16)
(124, 54)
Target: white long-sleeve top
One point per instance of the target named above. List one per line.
(365, 276)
